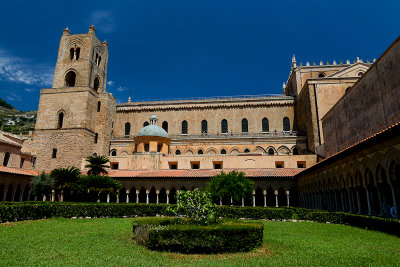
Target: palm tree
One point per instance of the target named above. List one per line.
(65, 178)
(97, 165)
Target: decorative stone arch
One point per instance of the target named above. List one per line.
(390, 156)
(234, 151)
(211, 151)
(293, 150)
(124, 153)
(260, 150)
(189, 151)
(283, 150)
(73, 44)
(97, 83)
(71, 77)
(223, 148)
(200, 151)
(394, 173)
(379, 172)
(113, 153)
(273, 148)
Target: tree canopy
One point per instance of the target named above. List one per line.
(97, 165)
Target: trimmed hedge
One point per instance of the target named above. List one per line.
(390, 226)
(236, 212)
(177, 235)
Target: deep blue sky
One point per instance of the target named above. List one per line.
(181, 49)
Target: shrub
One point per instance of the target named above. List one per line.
(236, 212)
(167, 234)
(195, 204)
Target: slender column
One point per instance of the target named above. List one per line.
(287, 197)
(231, 202)
(396, 212)
(127, 195)
(62, 196)
(20, 196)
(336, 201)
(53, 195)
(220, 201)
(265, 197)
(44, 197)
(276, 198)
(368, 201)
(29, 195)
(242, 201)
(118, 196)
(358, 201)
(167, 192)
(5, 193)
(108, 198)
(137, 196)
(254, 198)
(147, 196)
(13, 194)
(380, 201)
(341, 197)
(350, 202)
(98, 197)
(157, 193)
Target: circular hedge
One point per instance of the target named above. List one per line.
(180, 235)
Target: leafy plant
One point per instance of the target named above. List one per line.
(233, 185)
(195, 204)
(98, 183)
(65, 178)
(97, 165)
(42, 184)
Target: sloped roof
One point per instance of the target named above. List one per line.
(18, 171)
(202, 173)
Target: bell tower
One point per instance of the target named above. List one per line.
(76, 115)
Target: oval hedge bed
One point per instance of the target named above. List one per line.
(180, 235)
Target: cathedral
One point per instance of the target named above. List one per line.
(317, 145)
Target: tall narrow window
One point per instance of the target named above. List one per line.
(70, 79)
(54, 154)
(96, 84)
(6, 159)
(127, 129)
(96, 138)
(98, 64)
(71, 53)
(146, 147)
(295, 151)
(98, 106)
(271, 152)
(114, 153)
(146, 123)
(245, 126)
(224, 126)
(265, 125)
(165, 126)
(78, 51)
(286, 124)
(204, 126)
(184, 127)
(60, 120)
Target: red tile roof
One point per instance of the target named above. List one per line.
(18, 171)
(273, 172)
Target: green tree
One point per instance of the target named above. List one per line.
(65, 178)
(233, 185)
(42, 184)
(195, 204)
(95, 184)
(97, 165)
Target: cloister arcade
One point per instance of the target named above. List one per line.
(369, 185)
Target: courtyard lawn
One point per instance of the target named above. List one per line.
(108, 242)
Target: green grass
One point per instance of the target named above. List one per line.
(98, 242)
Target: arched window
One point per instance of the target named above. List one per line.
(245, 126)
(96, 84)
(60, 120)
(184, 127)
(265, 125)
(78, 51)
(71, 53)
(98, 106)
(223, 151)
(127, 129)
(286, 124)
(96, 138)
(200, 152)
(70, 79)
(224, 126)
(165, 126)
(177, 152)
(146, 123)
(6, 159)
(271, 152)
(114, 153)
(98, 64)
(321, 75)
(295, 151)
(247, 150)
(204, 126)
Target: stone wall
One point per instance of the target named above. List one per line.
(370, 106)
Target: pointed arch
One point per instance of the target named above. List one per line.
(211, 151)
(283, 150)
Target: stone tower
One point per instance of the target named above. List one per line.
(75, 116)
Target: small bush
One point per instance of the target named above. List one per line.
(236, 212)
(177, 235)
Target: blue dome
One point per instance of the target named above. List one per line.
(153, 130)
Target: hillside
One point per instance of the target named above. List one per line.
(12, 120)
